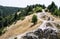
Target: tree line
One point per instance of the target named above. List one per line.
(54, 9)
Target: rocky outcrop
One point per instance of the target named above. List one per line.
(41, 34)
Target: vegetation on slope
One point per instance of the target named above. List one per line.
(6, 20)
(34, 19)
(8, 15)
(37, 9)
(5, 11)
(54, 9)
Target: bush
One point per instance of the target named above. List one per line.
(37, 9)
(22, 18)
(34, 19)
(0, 32)
(1, 29)
(46, 10)
(30, 13)
(56, 12)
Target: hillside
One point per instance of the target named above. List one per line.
(5, 10)
(25, 25)
(31, 22)
(20, 27)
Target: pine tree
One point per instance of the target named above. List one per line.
(34, 19)
(52, 7)
(15, 16)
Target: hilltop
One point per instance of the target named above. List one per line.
(34, 18)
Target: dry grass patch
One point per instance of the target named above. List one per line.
(20, 27)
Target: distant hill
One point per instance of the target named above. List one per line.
(5, 10)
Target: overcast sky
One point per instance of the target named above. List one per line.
(24, 3)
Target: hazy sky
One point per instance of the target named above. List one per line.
(24, 3)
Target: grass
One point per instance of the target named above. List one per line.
(21, 27)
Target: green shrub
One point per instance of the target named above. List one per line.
(56, 12)
(37, 9)
(22, 18)
(0, 32)
(1, 29)
(46, 10)
(34, 19)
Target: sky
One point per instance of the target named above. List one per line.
(24, 3)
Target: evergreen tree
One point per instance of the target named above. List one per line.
(52, 7)
(15, 16)
(34, 19)
(1, 22)
(43, 6)
(59, 8)
(56, 12)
